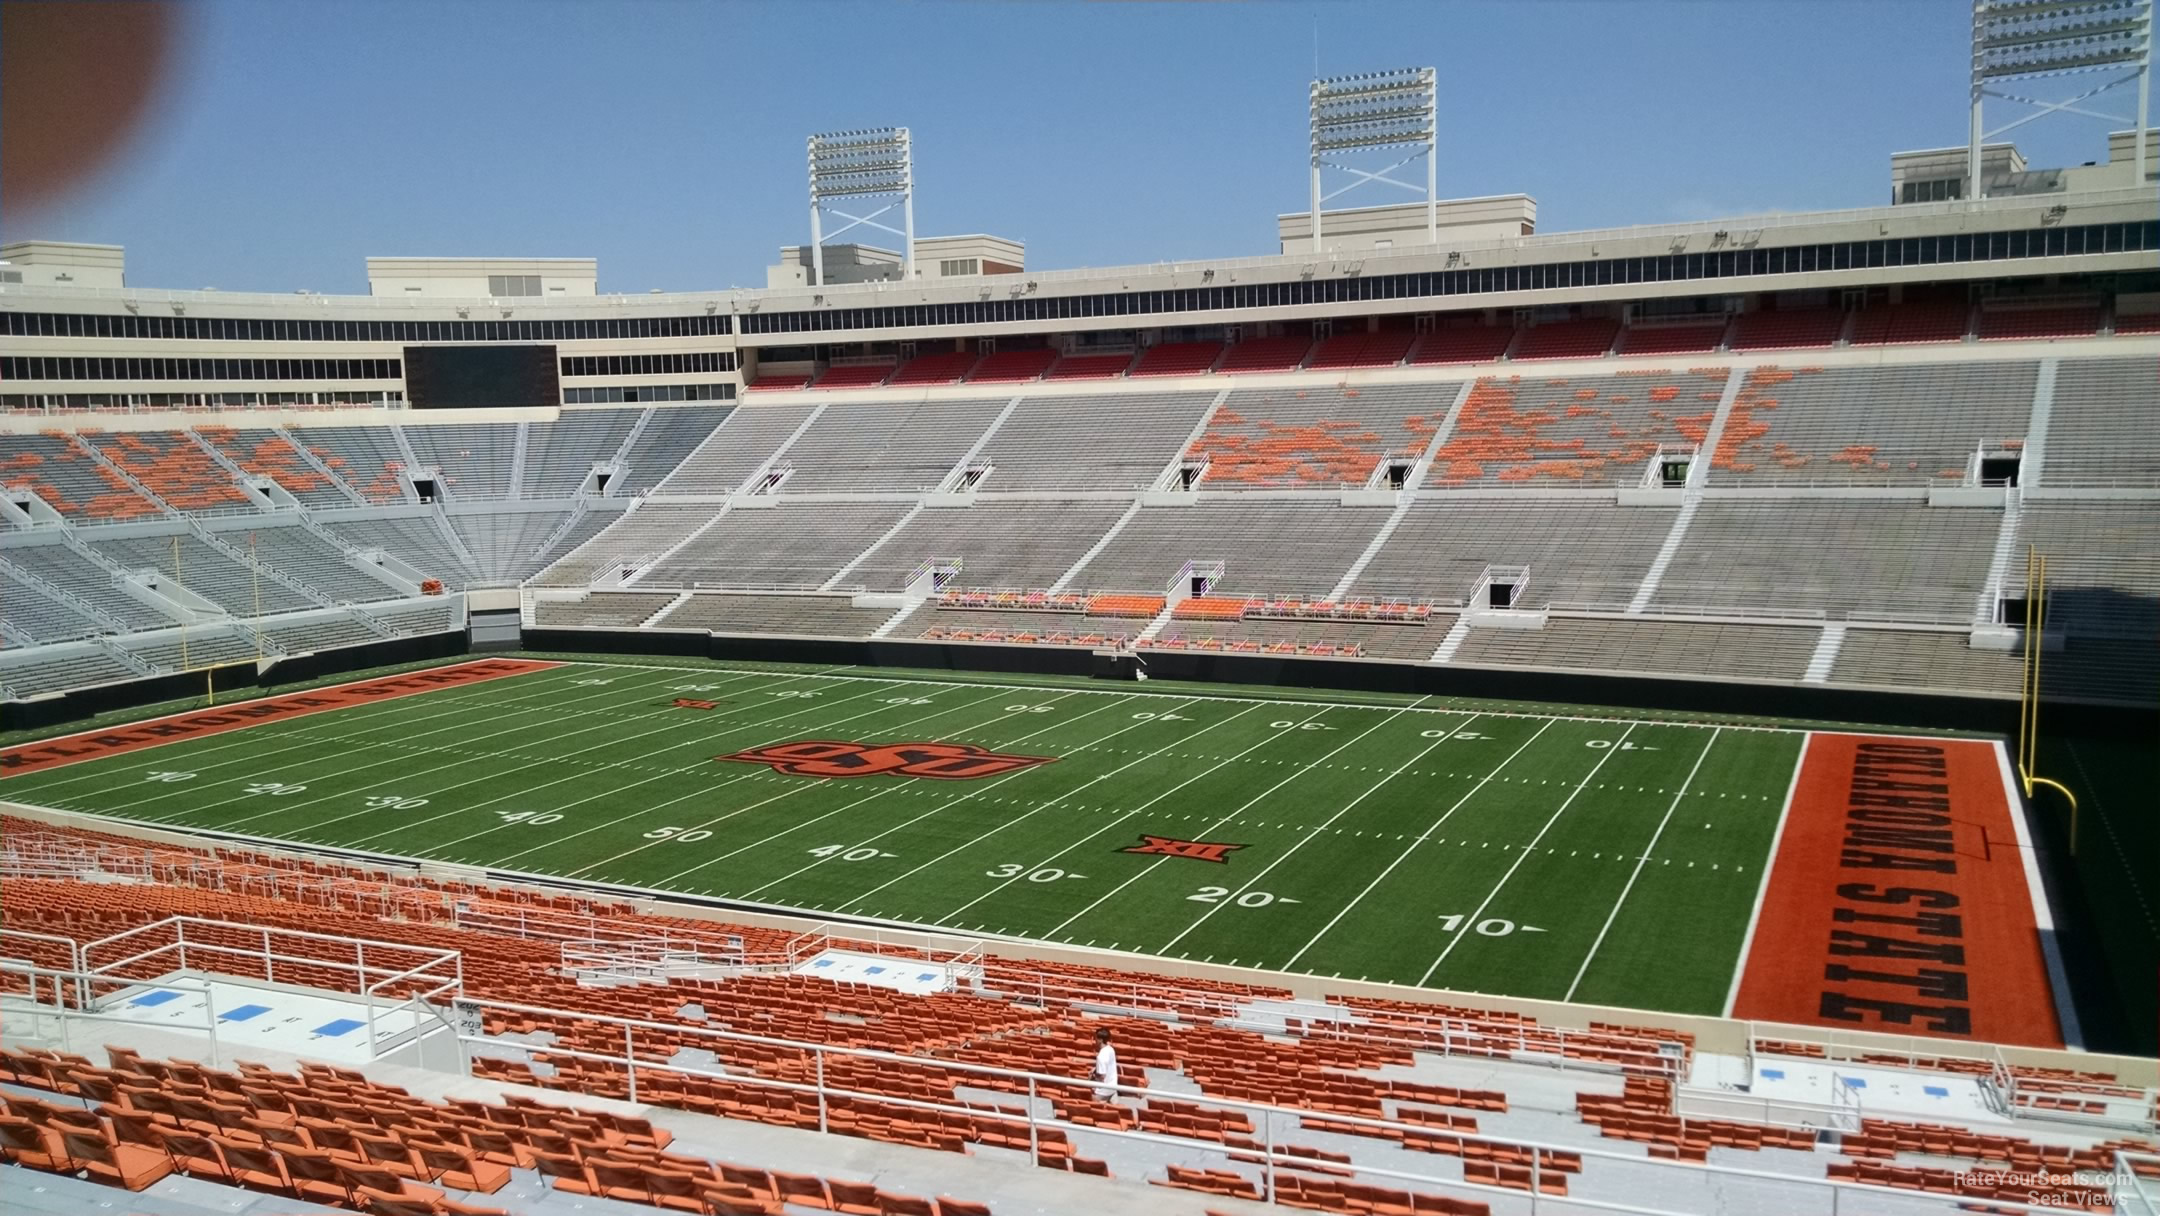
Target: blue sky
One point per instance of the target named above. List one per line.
(665, 137)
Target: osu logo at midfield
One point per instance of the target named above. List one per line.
(828, 758)
(1192, 850)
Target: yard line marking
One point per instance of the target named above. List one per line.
(912, 784)
(239, 739)
(787, 793)
(1126, 816)
(968, 797)
(1255, 801)
(1640, 862)
(317, 826)
(1474, 917)
(1488, 710)
(1306, 839)
(170, 792)
(1422, 837)
(1762, 885)
(669, 728)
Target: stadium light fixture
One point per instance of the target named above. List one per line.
(2025, 40)
(1376, 111)
(868, 163)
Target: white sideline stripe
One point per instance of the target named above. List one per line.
(669, 729)
(2043, 918)
(969, 796)
(1434, 709)
(1762, 885)
(805, 787)
(1422, 838)
(316, 743)
(1125, 816)
(799, 825)
(147, 757)
(394, 758)
(1313, 832)
(1249, 804)
(1524, 855)
(1640, 862)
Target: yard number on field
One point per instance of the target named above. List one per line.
(679, 835)
(1491, 926)
(531, 819)
(1013, 869)
(169, 777)
(274, 788)
(840, 852)
(395, 802)
(1250, 899)
(1622, 745)
(1289, 724)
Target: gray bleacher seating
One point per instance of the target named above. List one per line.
(43, 617)
(1529, 430)
(1720, 650)
(1004, 546)
(634, 536)
(800, 615)
(900, 446)
(45, 669)
(267, 452)
(195, 648)
(431, 614)
(2104, 429)
(412, 539)
(313, 633)
(583, 527)
(792, 545)
(731, 453)
(202, 569)
(1118, 442)
(1382, 641)
(672, 434)
(473, 458)
(602, 609)
(2103, 564)
(1266, 547)
(1842, 557)
(364, 457)
(303, 555)
(1322, 436)
(560, 454)
(1896, 425)
(505, 543)
(1579, 550)
(85, 579)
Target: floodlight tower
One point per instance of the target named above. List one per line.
(876, 162)
(1376, 111)
(2015, 40)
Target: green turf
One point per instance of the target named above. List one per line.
(1472, 847)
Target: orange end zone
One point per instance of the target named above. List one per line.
(91, 745)
(1900, 899)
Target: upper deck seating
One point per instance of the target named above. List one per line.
(1585, 338)
(673, 432)
(1843, 557)
(70, 480)
(634, 537)
(1177, 359)
(365, 457)
(734, 450)
(268, 453)
(1281, 354)
(195, 565)
(1323, 436)
(779, 382)
(84, 579)
(1578, 550)
(1891, 425)
(944, 367)
(898, 446)
(1120, 442)
(474, 458)
(1082, 365)
(1787, 329)
(1586, 431)
(2044, 321)
(1266, 547)
(2102, 431)
(2137, 323)
(1462, 344)
(795, 544)
(854, 375)
(1012, 366)
(559, 455)
(1927, 321)
(1673, 337)
(1384, 348)
(1011, 546)
(173, 467)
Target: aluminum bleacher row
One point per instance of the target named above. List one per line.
(1814, 506)
(724, 1092)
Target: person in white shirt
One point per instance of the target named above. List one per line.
(1105, 1065)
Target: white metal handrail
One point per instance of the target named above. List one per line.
(20, 1009)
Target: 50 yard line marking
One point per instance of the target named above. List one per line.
(1524, 855)
(1640, 862)
(1422, 838)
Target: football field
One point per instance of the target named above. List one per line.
(1610, 861)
